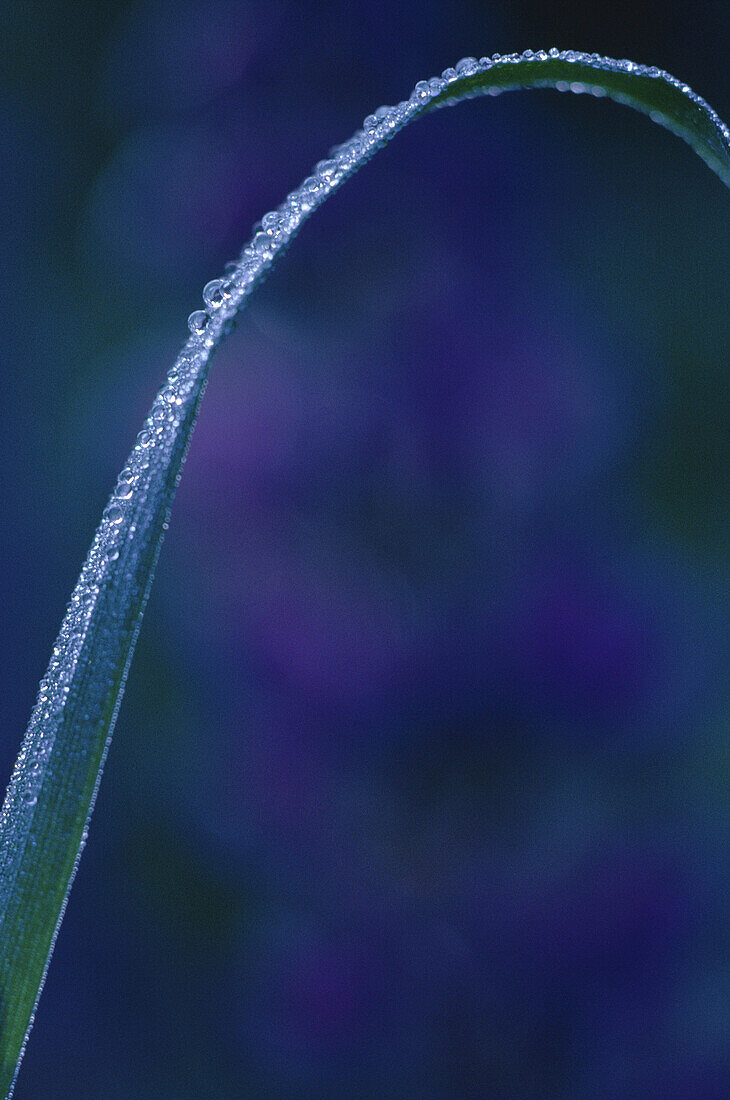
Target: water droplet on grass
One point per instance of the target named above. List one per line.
(198, 322)
(212, 295)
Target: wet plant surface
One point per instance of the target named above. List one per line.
(550, 634)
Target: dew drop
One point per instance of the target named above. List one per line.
(348, 153)
(198, 322)
(326, 169)
(114, 514)
(124, 488)
(467, 66)
(262, 243)
(212, 294)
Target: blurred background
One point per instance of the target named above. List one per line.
(420, 787)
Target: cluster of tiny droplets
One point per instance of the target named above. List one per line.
(125, 523)
(145, 487)
(223, 297)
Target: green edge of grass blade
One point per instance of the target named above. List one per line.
(45, 816)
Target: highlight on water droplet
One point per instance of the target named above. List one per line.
(198, 321)
(213, 294)
(262, 243)
(124, 488)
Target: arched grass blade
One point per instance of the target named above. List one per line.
(53, 786)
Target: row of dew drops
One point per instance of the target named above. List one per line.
(223, 298)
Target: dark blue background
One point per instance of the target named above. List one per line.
(420, 785)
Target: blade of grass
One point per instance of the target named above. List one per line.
(45, 816)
